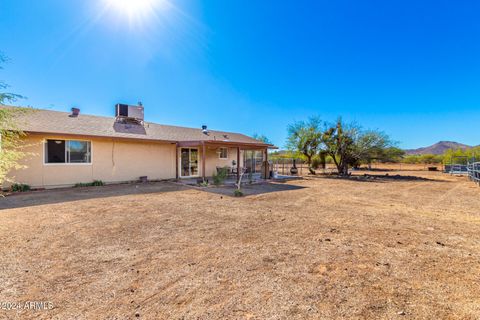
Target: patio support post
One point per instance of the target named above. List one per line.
(267, 169)
(203, 160)
(176, 160)
(238, 164)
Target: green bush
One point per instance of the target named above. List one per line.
(95, 183)
(423, 159)
(316, 162)
(220, 176)
(238, 193)
(81, 184)
(411, 159)
(19, 187)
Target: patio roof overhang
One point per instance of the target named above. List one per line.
(204, 144)
(222, 143)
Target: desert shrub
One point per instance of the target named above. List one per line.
(81, 184)
(238, 193)
(220, 176)
(95, 183)
(98, 183)
(471, 154)
(429, 158)
(316, 162)
(411, 159)
(19, 187)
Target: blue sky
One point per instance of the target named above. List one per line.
(409, 68)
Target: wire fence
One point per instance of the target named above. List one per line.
(296, 167)
(284, 166)
(473, 169)
(456, 168)
(463, 166)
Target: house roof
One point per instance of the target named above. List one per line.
(55, 122)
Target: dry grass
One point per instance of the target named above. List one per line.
(363, 248)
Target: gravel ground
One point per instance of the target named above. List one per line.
(370, 247)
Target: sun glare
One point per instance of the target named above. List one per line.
(134, 9)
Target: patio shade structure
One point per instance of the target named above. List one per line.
(239, 146)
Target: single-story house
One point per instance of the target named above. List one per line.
(68, 148)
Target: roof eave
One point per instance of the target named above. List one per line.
(98, 136)
(180, 143)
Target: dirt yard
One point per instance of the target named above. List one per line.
(391, 247)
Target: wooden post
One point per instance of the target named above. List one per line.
(267, 169)
(176, 160)
(238, 164)
(204, 152)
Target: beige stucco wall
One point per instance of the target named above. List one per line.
(213, 161)
(112, 161)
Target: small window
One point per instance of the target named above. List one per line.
(78, 151)
(55, 151)
(67, 151)
(223, 153)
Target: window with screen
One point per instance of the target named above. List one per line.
(67, 151)
(223, 153)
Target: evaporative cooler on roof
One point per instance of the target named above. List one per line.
(129, 112)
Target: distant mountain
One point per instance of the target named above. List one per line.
(438, 148)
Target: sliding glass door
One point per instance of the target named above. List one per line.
(252, 160)
(189, 162)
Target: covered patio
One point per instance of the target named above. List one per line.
(202, 159)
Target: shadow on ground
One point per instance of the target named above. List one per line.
(396, 169)
(380, 178)
(253, 189)
(41, 197)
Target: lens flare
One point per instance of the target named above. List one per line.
(131, 6)
(134, 9)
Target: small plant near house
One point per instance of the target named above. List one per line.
(250, 177)
(19, 187)
(238, 193)
(81, 184)
(95, 183)
(204, 183)
(220, 176)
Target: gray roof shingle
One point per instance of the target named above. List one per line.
(56, 122)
